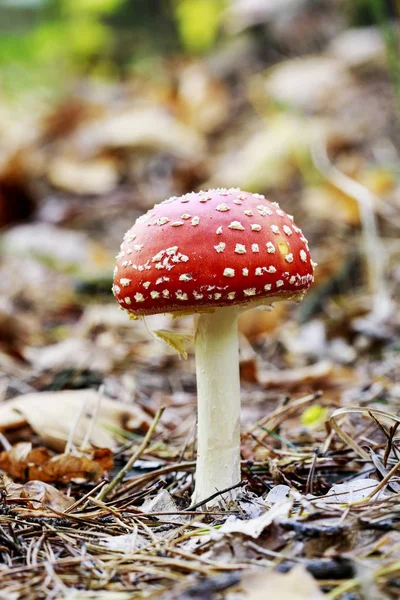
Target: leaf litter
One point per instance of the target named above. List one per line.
(97, 417)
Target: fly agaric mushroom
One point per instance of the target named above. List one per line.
(214, 254)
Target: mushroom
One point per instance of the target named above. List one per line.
(213, 254)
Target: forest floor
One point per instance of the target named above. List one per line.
(83, 389)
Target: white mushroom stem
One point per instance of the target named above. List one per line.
(218, 392)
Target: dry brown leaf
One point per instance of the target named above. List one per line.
(43, 411)
(140, 128)
(298, 584)
(292, 378)
(26, 464)
(97, 176)
(36, 494)
(255, 322)
(202, 101)
(309, 83)
(322, 201)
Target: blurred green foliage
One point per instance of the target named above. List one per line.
(199, 23)
(45, 42)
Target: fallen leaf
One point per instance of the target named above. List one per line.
(174, 340)
(270, 157)
(126, 543)
(359, 47)
(298, 584)
(352, 491)
(36, 494)
(140, 128)
(162, 502)
(97, 176)
(254, 527)
(314, 416)
(292, 378)
(49, 243)
(26, 464)
(308, 83)
(42, 412)
(74, 353)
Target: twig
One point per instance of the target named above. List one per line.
(219, 493)
(374, 250)
(119, 477)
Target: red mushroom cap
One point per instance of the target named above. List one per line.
(209, 249)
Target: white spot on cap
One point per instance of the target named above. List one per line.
(181, 295)
(314, 264)
(137, 247)
(255, 248)
(248, 213)
(124, 282)
(223, 207)
(292, 279)
(250, 292)
(220, 247)
(171, 250)
(185, 216)
(236, 225)
(165, 293)
(270, 269)
(237, 201)
(240, 249)
(158, 257)
(303, 255)
(195, 220)
(127, 300)
(116, 289)
(219, 230)
(279, 283)
(264, 210)
(287, 230)
(295, 228)
(125, 263)
(183, 257)
(198, 296)
(270, 248)
(115, 271)
(129, 237)
(275, 229)
(186, 277)
(162, 221)
(155, 295)
(217, 296)
(291, 217)
(289, 258)
(139, 297)
(256, 227)
(275, 204)
(176, 223)
(146, 284)
(245, 271)
(231, 295)
(259, 271)
(267, 287)
(229, 272)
